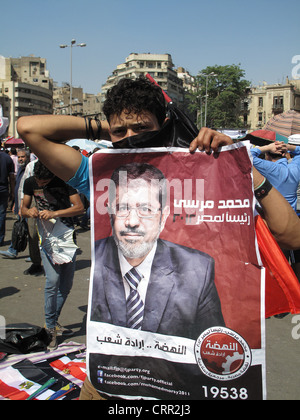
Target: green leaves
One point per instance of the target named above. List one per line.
(224, 88)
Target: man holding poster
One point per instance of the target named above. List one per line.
(222, 362)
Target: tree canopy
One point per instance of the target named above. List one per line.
(226, 88)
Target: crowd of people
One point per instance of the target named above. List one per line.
(132, 108)
(33, 193)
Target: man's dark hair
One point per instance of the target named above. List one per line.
(276, 156)
(135, 96)
(41, 172)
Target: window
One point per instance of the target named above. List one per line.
(278, 102)
(260, 101)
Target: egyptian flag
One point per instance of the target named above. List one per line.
(23, 379)
(72, 366)
(20, 381)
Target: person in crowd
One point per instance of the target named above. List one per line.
(7, 186)
(14, 156)
(56, 204)
(284, 176)
(36, 268)
(23, 160)
(294, 140)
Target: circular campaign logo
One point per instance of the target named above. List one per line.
(222, 354)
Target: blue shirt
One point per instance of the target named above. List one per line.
(284, 176)
(81, 180)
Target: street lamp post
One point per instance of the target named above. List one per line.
(72, 44)
(199, 97)
(212, 74)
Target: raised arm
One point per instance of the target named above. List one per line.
(45, 135)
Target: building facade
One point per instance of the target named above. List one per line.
(266, 101)
(61, 100)
(159, 66)
(83, 104)
(25, 89)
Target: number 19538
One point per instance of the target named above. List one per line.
(225, 393)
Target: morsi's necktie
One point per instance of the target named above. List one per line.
(134, 303)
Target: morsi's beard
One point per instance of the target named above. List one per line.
(131, 249)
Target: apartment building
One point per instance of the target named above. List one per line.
(265, 101)
(159, 66)
(86, 104)
(61, 100)
(25, 89)
(187, 79)
(92, 105)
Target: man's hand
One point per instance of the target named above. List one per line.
(281, 147)
(46, 214)
(277, 147)
(33, 212)
(209, 140)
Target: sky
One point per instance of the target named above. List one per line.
(262, 36)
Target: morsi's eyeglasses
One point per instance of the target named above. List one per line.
(143, 211)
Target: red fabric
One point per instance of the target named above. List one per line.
(13, 141)
(167, 98)
(282, 285)
(266, 134)
(11, 392)
(73, 368)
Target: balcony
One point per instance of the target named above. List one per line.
(277, 109)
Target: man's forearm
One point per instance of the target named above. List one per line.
(44, 135)
(70, 212)
(57, 128)
(279, 216)
(281, 220)
(263, 149)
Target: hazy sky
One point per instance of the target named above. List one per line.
(262, 36)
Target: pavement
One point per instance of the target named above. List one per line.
(22, 300)
(22, 296)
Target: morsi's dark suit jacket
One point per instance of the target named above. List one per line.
(181, 298)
